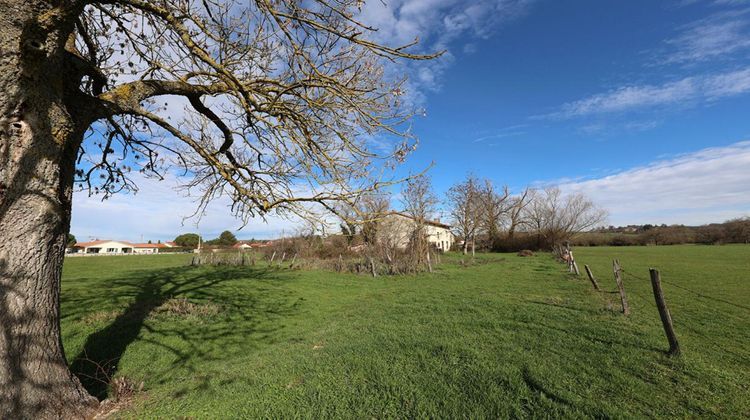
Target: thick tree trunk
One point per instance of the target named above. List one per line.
(38, 143)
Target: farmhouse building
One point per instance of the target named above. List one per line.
(245, 245)
(117, 247)
(103, 247)
(150, 248)
(399, 227)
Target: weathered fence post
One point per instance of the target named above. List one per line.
(429, 263)
(573, 264)
(616, 268)
(341, 264)
(294, 258)
(372, 267)
(591, 277)
(666, 318)
(282, 259)
(272, 257)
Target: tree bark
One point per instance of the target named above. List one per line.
(39, 139)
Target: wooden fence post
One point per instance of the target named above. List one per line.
(294, 258)
(666, 318)
(272, 257)
(429, 264)
(573, 264)
(372, 267)
(591, 277)
(616, 268)
(282, 258)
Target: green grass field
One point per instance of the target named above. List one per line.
(508, 336)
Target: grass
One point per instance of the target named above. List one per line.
(506, 337)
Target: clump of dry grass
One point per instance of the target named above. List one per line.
(182, 307)
(124, 388)
(123, 391)
(99, 317)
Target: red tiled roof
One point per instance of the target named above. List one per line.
(149, 245)
(94, 243)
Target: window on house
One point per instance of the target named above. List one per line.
(111, 250)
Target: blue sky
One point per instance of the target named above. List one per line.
(643, 105)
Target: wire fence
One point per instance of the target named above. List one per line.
(699, 300)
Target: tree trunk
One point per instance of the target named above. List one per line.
(39, 140)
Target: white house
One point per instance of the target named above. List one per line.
(103, 247)
(118, 247)
(398, 228)
(149, 248)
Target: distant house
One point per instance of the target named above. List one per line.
(399, 227)
(103, 247)
(149, 248)
(245, 245)
(107, 246)
(261, 244)
(242, 245)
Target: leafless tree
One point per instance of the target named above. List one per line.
(347, 214)
(465, 209)
(555, 217)
(267, 102)
(419, 202)
(363, 215)
(372, 209)
(737, 230)
(516, 211)
(493, 207)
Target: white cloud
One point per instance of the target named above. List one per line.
(718, 35)
(709, 185)
(704, 88)
(438, 25)
(437, 22)
(157, 211)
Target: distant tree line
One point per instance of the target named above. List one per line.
(191, 240)
(732, 231)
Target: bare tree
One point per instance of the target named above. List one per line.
(347, 213)
(261, 101)
(465, 209)
(419, 202)
(494, 205)
(516, 211)
(372, 208)
(555, 217)
(363, 215)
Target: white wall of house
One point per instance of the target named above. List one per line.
(396, 229)
(111, 247)
(142, 250)
(442, 238)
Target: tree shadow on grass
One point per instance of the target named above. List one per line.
(245, 309)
